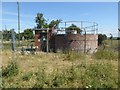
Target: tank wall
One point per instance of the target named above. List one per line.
(76, 42)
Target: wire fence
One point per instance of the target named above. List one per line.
(86, 41)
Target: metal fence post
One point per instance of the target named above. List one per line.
(85, 43)
(47, 39)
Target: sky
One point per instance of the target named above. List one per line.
(103, 13)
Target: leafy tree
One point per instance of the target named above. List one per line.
(74, 27)
(6, 35)
(28, 34)
(46, 25)
(54, 23)
(101, 38)
(40, 20)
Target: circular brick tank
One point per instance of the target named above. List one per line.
(76, 42)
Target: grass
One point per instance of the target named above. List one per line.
(60, 70)
(107, 55)
(26, 76)
(10, 70)
(114, 45)
(52, 71)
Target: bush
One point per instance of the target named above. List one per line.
(11, 70)
(105, 54)
(27, 76)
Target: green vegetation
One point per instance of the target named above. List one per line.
(106, 55)
(28, 34)
(97, 74)
(26, 76)
(72, 55)
(114, 46)
(41, 22)
(57, 70)
(74, 27)
(61, 70)
(10, 70)
(101, 38)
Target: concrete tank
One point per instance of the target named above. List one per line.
(76, 42)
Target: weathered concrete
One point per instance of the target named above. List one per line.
(76, 42)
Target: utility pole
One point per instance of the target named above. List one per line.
(18, 22)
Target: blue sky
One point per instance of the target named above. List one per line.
(105, 14)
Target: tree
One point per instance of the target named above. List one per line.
(54, 23)
(6, 35)
(74, 27)
(40, 20)
(28, 34)
(101, 38)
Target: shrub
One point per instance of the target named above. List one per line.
(27, 76)
(11, 70)
(105, 54)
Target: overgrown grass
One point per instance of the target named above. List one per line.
(51, 71)
(11, 70)
(99, 76)
(106, 55)
(26, 76)
(72, 55)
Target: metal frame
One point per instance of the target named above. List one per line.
(92, 27)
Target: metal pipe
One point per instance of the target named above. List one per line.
(85, 43)
(47, 40)
(13, 39)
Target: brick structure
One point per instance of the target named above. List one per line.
(61, 39)
(76, 42)
(39, 33)
(60, 42)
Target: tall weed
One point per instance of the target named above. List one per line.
(105, 54)
(11, 70)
